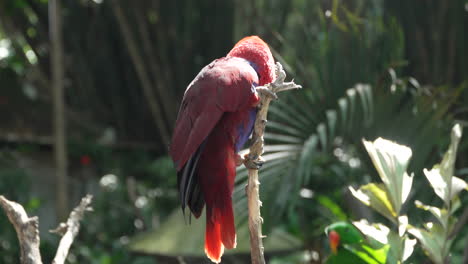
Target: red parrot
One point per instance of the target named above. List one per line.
(215, 119)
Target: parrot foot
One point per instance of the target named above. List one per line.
(266, 92)
(279, 84)
(254, 163)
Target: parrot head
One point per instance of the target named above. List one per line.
(257, 52)
(341, 233)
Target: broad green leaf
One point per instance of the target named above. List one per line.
(375, 196)
(458, 185)
(440, 185)
(432, 241)
(377, 232)
(408, 247)
(333, 207)
(440, 214)
(437, 182)
(448, 162)
(403, 225)
(401, 248)
(441, 178)
(391, 160)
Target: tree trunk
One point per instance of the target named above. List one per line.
(57, 70)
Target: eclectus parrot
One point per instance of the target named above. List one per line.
(215, 119)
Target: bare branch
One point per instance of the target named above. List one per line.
(70, 229)
(253, 161)
(26, 230)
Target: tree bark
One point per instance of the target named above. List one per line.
(253, 161)
(57, 70)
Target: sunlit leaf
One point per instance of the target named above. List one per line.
(408, 247)
(403, 225)
(437, 182)
(375, 196)
(432, 241)
(448, 162)
(458, 185)
(440, 214)
(376, 231)
(441, 178)
(333, 207)
(391, 160)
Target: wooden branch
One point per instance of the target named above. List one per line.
(70, 229)
(27, 230)
(253, 161)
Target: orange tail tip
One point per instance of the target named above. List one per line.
(214, 248)
(215, 256)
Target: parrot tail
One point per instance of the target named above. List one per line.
(220, 228)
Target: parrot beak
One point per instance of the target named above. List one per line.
(334, 239)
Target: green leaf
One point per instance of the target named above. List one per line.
(379, 235)
(333, 207)
(448, 162)
(376, 231)
(432, 241)
(458, 185)
(375, 196)
(401, 248)
(391, 160)
(441, 178)
(408, 247)
(440, 214)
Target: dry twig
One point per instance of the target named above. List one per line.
(70, 229)
(27, 230)
(253, 160)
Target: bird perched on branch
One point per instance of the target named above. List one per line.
(215, 120)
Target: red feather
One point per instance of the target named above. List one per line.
(214, 119)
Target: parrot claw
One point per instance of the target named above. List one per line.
(279, 84)
(253, 163)
(265, 91)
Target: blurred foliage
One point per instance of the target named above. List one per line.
(395, 69)
(130, 203)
